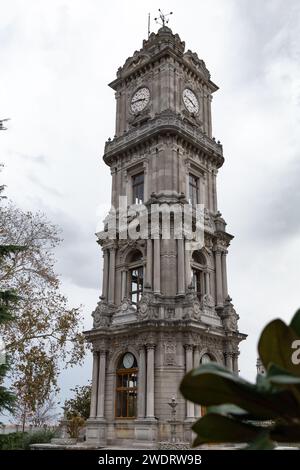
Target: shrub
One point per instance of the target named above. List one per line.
(74, 425)
(11, 441)
(38, 437)
(23, 440)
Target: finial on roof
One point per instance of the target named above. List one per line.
(163, 19)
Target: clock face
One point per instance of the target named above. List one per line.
(140, 100)
(190, 101)
(128, 360)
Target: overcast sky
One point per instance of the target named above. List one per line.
(56, 58)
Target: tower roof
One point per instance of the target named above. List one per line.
(160, 44)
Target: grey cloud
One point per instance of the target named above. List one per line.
(45, 187)
(279, 214)
(41, 159)
(266, 31)
(78, 255)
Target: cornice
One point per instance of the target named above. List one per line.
(165, 123)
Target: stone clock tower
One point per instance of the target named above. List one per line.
(164, 307)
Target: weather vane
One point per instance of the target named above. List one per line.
(162, 19)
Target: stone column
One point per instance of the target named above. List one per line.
(93, 411)
(112, 263)
(188, 269)
(123, 284)
(157, 266)
(209, 100)
(190, 407)
(235, 364)
(149, 263)
(128, 189)
(205, 110)
(207, 283)
(228, 361)
(211, 190)
(197, 364)
(224, 275)
(180, 267)
(146, 182)
(203, 198)
(215, 205)
(113, 172)
(142, 383)
(150, 380)
(164, 84)
(118, 95)
(187, 180)
(105, 274)
(219, 278)
(101, 385)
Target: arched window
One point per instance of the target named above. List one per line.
(126, 387)
(138, 188)
(198, 270)
(135, 276)
(206, 359)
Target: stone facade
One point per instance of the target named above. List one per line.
(184, 312)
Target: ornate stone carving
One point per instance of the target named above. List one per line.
(229, 316)
(169, 313)
(199, 64)
(208, 301)
(136, 60)
(100, 345)
(169, 353)
(191, 296)
(101, 315)
(208, 222)
(125, 313)
(146, 308)
(193, 312)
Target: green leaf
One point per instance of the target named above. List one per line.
(278, 375)
(286, 433)
(275, 346)
(295, 323)
(209, 385)
(216, 428)
(282, 379)
(227, 409)
(285, 380)
(262, 442)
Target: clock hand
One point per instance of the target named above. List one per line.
(191, 101)
(140, 99)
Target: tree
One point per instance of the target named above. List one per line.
(80, 404)
(46, 333)
(261, 414)
(43, 414)
(8, 299)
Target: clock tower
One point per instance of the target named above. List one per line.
(164, 307)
